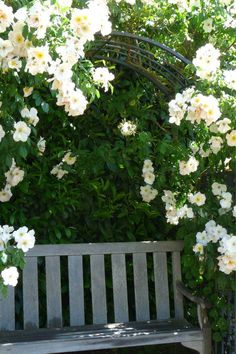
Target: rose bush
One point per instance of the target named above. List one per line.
(132, 166)
(41, 60)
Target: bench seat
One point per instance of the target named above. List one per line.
(90, 337)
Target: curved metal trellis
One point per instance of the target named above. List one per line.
(157, 62)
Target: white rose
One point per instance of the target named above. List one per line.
(5, 194)
(218, 188)
(10, 276)
(149, 177)
(207, 25)
(26, 242)
(231, 138)
(198, 198)
(202, 238)
(69, 159)
(2, 133)
(234, 211)
(22, 131)
(198, 248)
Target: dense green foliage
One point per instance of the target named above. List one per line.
(99, 200)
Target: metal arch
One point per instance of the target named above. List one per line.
(157, 62)
(143, 54)
(139, 70)
(154, 43)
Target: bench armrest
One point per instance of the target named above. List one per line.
(202, 306)
(205, 304)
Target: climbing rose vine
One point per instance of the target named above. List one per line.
(213, 124)
(205, 167)
(42, 59)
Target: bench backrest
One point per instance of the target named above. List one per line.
(134, 255)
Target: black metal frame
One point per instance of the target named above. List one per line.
(157, 62)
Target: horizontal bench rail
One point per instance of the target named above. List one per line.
(105, 248)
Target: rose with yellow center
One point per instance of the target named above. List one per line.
(231, 138)
(39, 55)
(78, 19)
(14, 64)
(69, 159)
(3, 16)
(19, 39)
(27, 91)
(199, 199)
(85, 28)
(198, 248)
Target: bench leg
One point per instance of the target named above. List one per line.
(207, 339)
(202, 347)
(195, 345)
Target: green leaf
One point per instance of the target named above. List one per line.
(58, 234)
(45, 107)
(217, 337)
(23, 151)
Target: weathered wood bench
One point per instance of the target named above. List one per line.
(168, 325)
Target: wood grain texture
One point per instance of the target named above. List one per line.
(176, 273)
(7, 310)
(30, 294)
(99, 337)
(119, 280)
(98, 287)
(161, 286)
(105, 248)
(76, 290)
(53, 287)
(141, 287)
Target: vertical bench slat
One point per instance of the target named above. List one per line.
(161, 285)
(178, 298)
(76, 290)
(98, 287)
(7, 310)
(119, 288)
(53, 285)
(30, 293)
(141, 287)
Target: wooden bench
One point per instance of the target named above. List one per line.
(102, 261)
